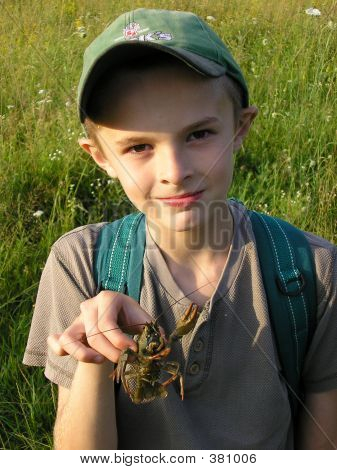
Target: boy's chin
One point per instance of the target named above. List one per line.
(182, 220)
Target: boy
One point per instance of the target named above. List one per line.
(166, 106)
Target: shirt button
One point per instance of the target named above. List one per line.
(194, 368)
(198, 345)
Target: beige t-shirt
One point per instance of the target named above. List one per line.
(234, 396)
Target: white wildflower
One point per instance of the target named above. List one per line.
(313, 12)
(68, 103)
(210, 18)
(37, 214)
(273, 115)
(81, 31)
(254, 20)
(41, 92)
(265, 41)
(45, 100)
(10, 106)
(311, 163)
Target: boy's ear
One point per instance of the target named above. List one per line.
(90, 147)
(247, 117)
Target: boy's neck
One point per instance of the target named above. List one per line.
(197, 267)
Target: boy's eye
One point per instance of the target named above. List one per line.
(141, 147)
(201, 134)
(137, 148)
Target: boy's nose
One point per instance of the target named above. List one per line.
(173, 166)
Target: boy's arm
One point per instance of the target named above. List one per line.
(318, 431)
(86, 418)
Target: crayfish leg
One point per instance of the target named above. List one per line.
(164, 353)
(181, 380)
(123, 360)
(173, 368)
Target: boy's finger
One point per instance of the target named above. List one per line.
(78, 350)
(55, 346)
(114, 335)
(81, 349)
(137, 317)
(95, 331)
(102, 345)
(74, 348)
(111, 310)
(100, 315)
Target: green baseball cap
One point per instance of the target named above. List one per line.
(181, 34)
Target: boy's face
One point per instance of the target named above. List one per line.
(183, 139)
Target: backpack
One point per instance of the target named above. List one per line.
(287, 268)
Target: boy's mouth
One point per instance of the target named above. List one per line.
(182, 199)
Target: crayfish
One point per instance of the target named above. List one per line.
(140, 371)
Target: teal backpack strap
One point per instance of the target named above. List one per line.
(289, 277)
(118, 255)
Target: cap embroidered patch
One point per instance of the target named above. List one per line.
(156, 36)
(132, 29)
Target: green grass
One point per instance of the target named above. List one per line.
(287, 166)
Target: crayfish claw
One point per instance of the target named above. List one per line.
(186, 323)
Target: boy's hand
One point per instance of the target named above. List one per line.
(99, 328)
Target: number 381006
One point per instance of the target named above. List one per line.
(232, 458)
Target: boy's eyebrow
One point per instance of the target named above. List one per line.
(134, 139)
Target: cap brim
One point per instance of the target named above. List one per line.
(122, 53)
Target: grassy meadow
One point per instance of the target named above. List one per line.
(49, 186)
